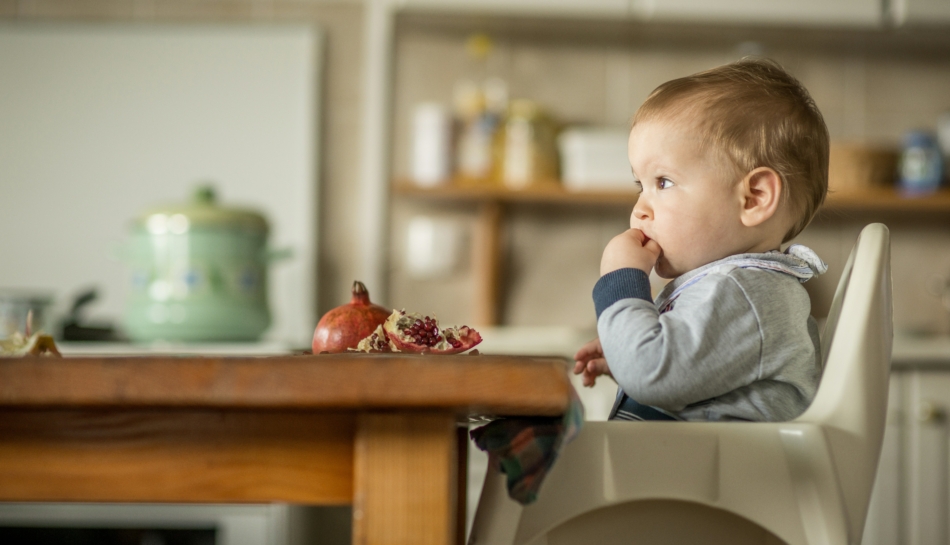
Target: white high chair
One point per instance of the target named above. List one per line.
(804, 482)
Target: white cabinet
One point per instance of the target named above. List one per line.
(926, 489)
(910, 504)
(862, 13)
(883, 526)
(920, 12)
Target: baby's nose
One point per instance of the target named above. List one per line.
(640, 211)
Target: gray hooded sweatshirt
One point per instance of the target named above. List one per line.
(732, 340)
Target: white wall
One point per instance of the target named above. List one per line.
(98, 122)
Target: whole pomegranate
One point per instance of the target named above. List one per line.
(343, 327)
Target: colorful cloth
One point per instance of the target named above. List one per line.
(525, 448)
(629, 409)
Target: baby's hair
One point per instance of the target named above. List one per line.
(760, 116)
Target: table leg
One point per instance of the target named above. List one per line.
(405, 481)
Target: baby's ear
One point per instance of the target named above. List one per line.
(761, 192)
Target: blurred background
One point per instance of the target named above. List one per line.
(375, 146)
(464, 159)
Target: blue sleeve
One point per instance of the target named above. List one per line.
(621, 284)
(707, 345)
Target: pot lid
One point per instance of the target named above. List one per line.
(201, 212)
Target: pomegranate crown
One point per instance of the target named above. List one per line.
(360, 293)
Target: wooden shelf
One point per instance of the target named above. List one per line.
(546, 192)
(883, 199)
(887, 199)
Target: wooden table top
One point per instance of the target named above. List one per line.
(465, 384)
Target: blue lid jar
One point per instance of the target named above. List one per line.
(921, 167)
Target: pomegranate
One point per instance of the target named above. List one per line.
(411, 332)
(377, 341)
(343, 327)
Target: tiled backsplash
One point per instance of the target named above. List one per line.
(920, 258)
(868, 93)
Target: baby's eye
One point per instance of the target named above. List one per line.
(638, 185)
(664, 183)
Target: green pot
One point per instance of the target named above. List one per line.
(198, 272)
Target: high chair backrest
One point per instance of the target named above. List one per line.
(851, 401)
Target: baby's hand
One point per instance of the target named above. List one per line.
(590, 361)
(630, 249)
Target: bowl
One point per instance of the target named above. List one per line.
(15, 307)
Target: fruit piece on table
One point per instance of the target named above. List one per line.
(29, 343)
(343, 327)
(412, 332)
(35, 345)
(377, 341)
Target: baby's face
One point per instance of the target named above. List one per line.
(690, 201)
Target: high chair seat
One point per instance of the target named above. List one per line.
(803, 482)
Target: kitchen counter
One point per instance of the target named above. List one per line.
(920, 351)
(91, 348)
(908, 351)
(541, 340)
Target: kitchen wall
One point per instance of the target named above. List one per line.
(870, 85)
(99, 122)
(339, 137)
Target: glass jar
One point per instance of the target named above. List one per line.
(526, 147)
(921, 167)
(19, 308)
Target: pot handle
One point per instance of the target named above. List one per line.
(273, 255)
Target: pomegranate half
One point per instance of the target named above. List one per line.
(343, 327)
(411, 332)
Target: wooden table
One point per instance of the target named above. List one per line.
(373, 430)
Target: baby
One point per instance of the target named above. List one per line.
(731, 163)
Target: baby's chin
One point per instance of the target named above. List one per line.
(664, 269)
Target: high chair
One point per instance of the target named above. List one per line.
(803, 482)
